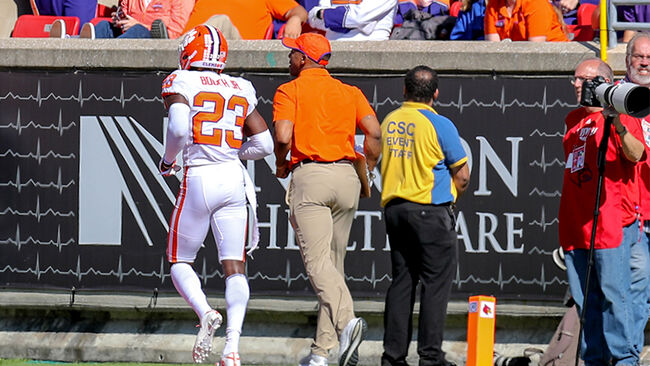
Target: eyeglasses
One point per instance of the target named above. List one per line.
(639, 57)
(575, 79)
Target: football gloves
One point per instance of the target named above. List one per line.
(168, 169)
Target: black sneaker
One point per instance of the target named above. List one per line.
(159, 29)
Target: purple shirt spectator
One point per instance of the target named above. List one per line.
(427, 6)
(634, 13)
(570, 16)
(85, 10)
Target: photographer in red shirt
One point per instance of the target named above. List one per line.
(607, 333)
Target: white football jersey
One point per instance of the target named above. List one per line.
(219, 105)
(366, 20)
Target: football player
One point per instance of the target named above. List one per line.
(210, 114)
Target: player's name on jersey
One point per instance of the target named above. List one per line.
(207, 80)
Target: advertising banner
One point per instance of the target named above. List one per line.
(82, 204)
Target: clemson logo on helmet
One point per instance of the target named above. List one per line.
(203, 47)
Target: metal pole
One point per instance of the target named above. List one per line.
(602, 151)
(603, 30)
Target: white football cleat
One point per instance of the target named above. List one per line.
(231, 359)
(210, 322)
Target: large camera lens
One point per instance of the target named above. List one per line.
(626, 98)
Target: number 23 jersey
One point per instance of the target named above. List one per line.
(219, 105)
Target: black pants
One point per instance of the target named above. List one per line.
(423, 245)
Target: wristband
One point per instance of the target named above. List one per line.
(622, 132)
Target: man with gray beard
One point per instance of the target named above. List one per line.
(637, 62)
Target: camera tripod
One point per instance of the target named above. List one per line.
(602, 152)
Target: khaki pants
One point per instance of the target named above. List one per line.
(323, 199)
(222, 22)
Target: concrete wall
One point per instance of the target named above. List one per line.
(347, 57)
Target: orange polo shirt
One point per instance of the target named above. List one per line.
(530, 18)
(251, 17)
(325, 113)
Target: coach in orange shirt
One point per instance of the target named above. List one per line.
(316, 116)
(252, 18)
(522, 20)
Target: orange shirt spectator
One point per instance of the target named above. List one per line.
(173, 13)
(324, 112)
(522, 20)
(251, 17)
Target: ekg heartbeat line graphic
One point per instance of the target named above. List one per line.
(18, 126)
(121, 98)
(18, 242)
(544, 193)
(120, 273)
(537, 132)
(536, 250)
(502, 104)
(38, 155)
(375, 103)
(37, 212)
(542, 221)
(501, 281)
(542, 163)
(19, 185)
(460, 104)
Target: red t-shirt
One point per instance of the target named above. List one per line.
(643, 170)
(584, 133)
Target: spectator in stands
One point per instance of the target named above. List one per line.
(470, 21)
(633, 14)
(370, 20)
(569, 9)
(85, 10)
(134, 19)
(278, 31)
(522, 20)
(428, 6)
(252, 18)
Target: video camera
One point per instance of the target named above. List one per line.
(625, 98)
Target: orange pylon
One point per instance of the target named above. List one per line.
(480, 330)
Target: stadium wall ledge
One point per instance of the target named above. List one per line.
(347, 57)
(137, 327)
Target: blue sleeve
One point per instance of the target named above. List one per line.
(448, 137)
(460, 29)
(334, 19)
(437, 9)
(399, 16)
(469, 24)
(449, 141)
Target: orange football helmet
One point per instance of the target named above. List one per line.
(205, 47)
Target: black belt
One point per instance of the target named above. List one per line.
(398, 200)
(309, 161)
